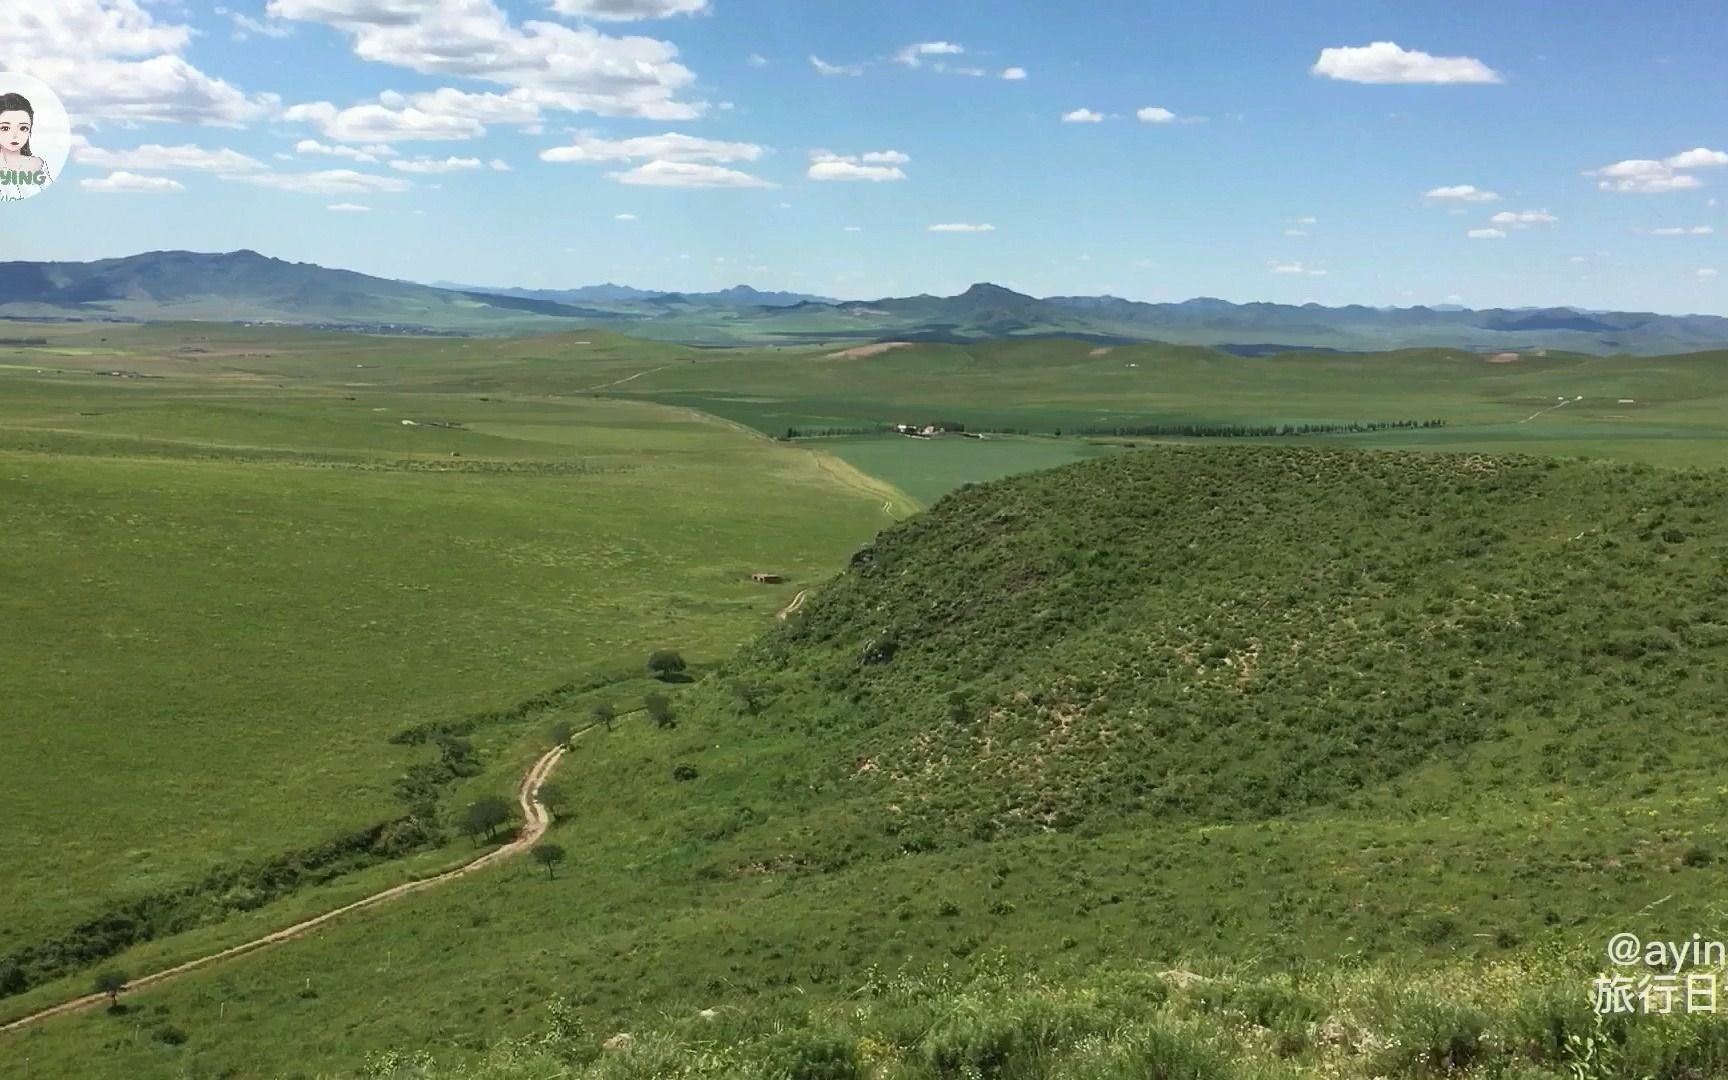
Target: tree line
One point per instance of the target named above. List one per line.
(1256, 431)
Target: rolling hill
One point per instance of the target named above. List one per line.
(1274, 716)
(247, 286)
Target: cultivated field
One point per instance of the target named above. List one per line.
(1660, 409)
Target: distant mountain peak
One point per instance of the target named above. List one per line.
(985, 290)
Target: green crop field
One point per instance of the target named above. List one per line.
(928, 469)
(1282, 712)
(1662, 409)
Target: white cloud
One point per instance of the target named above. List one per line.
(557, 67)
(1643, 176)
(1296, 232)
(1523, 219)
(1306, 221)
(852, 228)
(1082, 116)
(511, 107)
(756, 60)
(1708, 272)
(962, 228)
(1387, 62)
(878, 165)
(1014, 74)
(687, 174)
(913, 55)
(1461, 193)
(349, 208)
(1486, 234)
(152, 157)
(1695, 230)
(823, 67)
(367, 154)
(1295, 268)
(628, 10)
(624, 217)
(1152, 114)
(382, 124)
(670, 146)
(111, 60)
(1697, 158)
(434, 165)
(131, 183)
(326, 182)
(498, 165)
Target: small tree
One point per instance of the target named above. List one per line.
(485, 815)
(959, 709)
(549, 856)
(562, 732)
(111, 981)
(665, 663)
(659, 711)
(603, 714)
(553, 798)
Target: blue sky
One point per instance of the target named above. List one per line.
(1340, 151)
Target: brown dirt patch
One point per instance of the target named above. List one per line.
(863, 352)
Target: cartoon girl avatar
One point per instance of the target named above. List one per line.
(22, 173)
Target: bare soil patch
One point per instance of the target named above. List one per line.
(863, 352)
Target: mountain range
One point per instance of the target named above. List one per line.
(245, 286)
(741, 296)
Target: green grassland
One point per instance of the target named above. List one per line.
(227, 585)
(1299, 708)
(1295, 711)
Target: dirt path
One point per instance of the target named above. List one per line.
(535, 820)
(1549, 409)
(847, 475)
(797, 602)
(625, 379)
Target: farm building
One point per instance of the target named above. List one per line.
(767, 579)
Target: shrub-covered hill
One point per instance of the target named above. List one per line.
(1220, 635)
(1341, 719)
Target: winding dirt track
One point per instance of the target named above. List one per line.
(797, 602)
(535, 820)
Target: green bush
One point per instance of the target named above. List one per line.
(811, 1054)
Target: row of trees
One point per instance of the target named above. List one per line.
(1257, 431)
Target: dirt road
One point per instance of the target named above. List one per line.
(797, 602)
(535, 820)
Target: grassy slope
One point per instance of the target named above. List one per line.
(222, 596)
(1289, 707)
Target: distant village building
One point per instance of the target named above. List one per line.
(767, 579)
